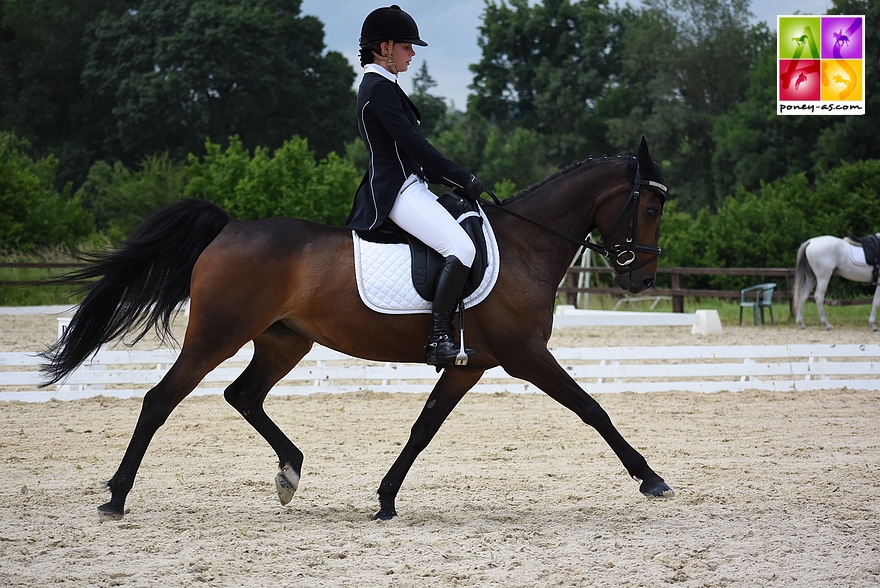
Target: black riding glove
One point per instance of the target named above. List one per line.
(473, 189)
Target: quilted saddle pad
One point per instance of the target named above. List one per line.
(384, 275)
(857, 255)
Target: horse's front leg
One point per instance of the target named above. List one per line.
(545, 372)
(801, 302)
(449, 390)
(872, 320)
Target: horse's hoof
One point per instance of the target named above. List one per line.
(802, 326)
(108, 513)
(286, 483)
(385, 515)
(828, 327)
(659, 490)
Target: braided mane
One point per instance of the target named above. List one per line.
(589, 161)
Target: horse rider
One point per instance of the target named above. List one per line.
(401, 162)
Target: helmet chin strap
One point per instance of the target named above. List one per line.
(387, 60)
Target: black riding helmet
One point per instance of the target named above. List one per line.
(390, 24)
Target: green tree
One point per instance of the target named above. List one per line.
(514, 157)
(690, 62)
(754, 145)
(435, 113)
(506, 160)
(465, 141)
(175, 73)
(854, 138)
(32, 212)
(42, 99)
(545, 68)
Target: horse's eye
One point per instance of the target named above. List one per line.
(652, 212)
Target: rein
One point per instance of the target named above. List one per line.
(624, 254)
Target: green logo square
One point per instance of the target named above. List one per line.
(799, 37)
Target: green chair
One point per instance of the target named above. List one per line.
(757, 297)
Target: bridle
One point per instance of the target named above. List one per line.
(623, 254)
(626, 252)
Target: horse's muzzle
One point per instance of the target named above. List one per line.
(634, 284)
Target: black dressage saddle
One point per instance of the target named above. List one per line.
(426, 262)
(871, 245)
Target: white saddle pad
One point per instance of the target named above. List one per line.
(857, 254)
(384, 275)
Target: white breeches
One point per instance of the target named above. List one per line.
(417, 212)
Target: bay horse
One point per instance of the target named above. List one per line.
(287, 283)
(818, 259)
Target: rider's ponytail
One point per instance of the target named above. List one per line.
(366, 54)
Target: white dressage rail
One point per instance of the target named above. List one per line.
(597, 369)
(702, 322)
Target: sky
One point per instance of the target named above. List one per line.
(451, 27)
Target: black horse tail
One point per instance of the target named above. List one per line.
(140, 285)
(802, 273)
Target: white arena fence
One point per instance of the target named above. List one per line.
(599, 370)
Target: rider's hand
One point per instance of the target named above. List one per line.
(474, 188)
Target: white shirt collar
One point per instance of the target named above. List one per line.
(376, 68)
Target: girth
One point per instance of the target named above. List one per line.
(426, 262)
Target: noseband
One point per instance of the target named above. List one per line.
(623, 254)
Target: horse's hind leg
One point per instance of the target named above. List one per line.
(808, 285)
(276, 352)
(449, 390)
(159, 402)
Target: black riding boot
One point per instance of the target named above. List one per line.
(441, 342)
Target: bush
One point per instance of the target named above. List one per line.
(765, 229)
(681, 237)
(119, 199)
(32, 212)
(288, 183)
(846, 199)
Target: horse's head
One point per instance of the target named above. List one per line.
(628, 217)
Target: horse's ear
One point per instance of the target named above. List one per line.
(644, 157)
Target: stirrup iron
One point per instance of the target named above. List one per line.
(462, 357)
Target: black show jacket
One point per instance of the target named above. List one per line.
(389, 125)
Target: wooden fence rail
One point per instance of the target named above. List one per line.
(783, 291)
(598, 370)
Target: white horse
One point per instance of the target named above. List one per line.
(820, 258)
